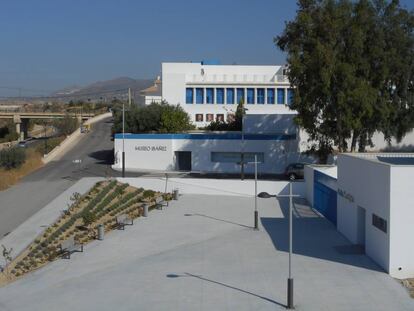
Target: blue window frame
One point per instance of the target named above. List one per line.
(240, 95)
(250, 96)
(199, 95)
(260, 96)
(189, 95)
(271, 96)
(290, 94)
(220, 96)
(230, 96)
(209, 95)
(280, 96)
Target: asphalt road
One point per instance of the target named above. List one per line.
(36, 190)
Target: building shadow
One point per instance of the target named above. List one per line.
(314, 236)
(186, 274)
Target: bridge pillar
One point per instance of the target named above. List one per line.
(18, 122)
(24, 128)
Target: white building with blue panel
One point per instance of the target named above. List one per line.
(206, 152)
(210, 92)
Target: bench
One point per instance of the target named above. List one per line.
(70, 246)
(160, 202)
(123, 220)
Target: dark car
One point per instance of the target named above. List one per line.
(22, 144)
(295, 171)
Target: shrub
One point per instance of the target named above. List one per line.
(148, 194)
(88, 218)
(12, 158)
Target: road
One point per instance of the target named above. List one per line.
(36, 190)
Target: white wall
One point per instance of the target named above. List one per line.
(309, 173)
(216, 186)
(401, 224)
(144, 154)
(368, 182)
(277, 154)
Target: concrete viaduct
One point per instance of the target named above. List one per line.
(21, 119)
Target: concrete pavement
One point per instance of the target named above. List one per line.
(202, 254)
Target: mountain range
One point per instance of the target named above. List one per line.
(107, 89)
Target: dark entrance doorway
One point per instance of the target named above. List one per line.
(183, 160)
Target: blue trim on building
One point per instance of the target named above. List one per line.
(212, 136)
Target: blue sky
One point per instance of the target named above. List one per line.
(50, 44)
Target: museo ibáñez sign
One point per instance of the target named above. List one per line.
(346, 195)
(150, 148)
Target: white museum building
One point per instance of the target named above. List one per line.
(210, 92)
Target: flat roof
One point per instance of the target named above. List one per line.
(212, 136)
(393, 159)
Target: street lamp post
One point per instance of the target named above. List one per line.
(256, 213)
(123, 140)
(266, 195)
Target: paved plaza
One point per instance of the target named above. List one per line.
(201, 253)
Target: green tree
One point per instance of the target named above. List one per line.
(156, 118)
(67, 125)
(12, 157)
(351, 65)
(234, 124)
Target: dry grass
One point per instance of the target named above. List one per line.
(10, 177)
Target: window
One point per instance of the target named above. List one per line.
(260, 96)
(209, 117)
(209, 95)
(235, 157)
(271, 96)
(230, 96)
(250, 96)
(290, 95)
(379, 223)
(240, 95)
(220, 96)
(281, 96)
(220, 117)
(199, 117)
(199, 95)
(231, 117)
(189, 96)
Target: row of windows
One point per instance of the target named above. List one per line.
(259, 96)
(235, 157)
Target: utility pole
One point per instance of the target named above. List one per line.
(129, 97)
(123, 139)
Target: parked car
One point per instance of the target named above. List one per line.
(295, 171)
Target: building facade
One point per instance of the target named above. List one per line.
(210, 92)
(369, 198)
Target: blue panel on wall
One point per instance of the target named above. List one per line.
(230, 96)
(270, 96)
(209, 95)
(324, 198)
(220, 96)
(290, 94)
(260, 96)
(199, 95)
(250, 96)
(240, 95)
(280, 96)
(189, 96)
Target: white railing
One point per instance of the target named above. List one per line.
(235, 78)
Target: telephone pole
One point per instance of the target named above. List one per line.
(129, 97)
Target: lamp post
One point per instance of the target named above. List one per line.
(123, 140)
(242, 146)
(266, 195)
(256, 213)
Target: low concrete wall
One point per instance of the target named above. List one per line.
(216, 186)
(71, 140)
